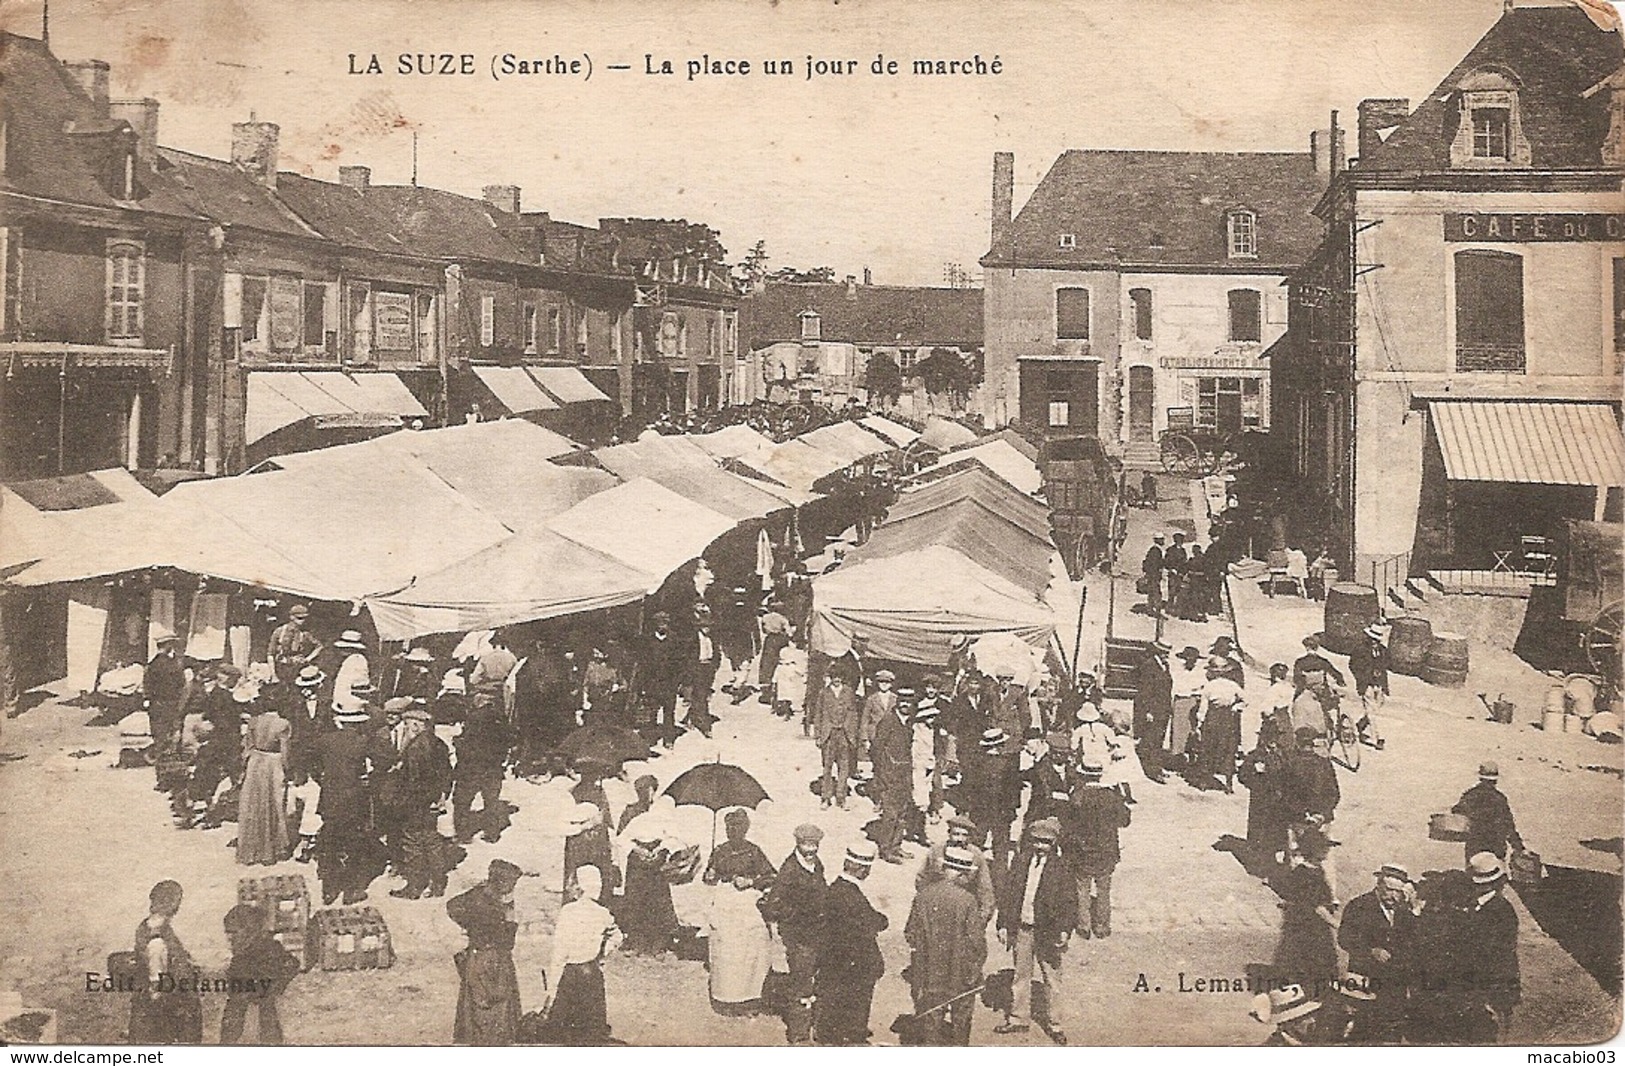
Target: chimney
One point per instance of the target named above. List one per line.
(253, 147)
(851, 287)
(357, 178)
(92, 76)
(1339, 151)
(868, 278)
(504, 198)
(142, 115)
(1378, 117)
(1004, 193)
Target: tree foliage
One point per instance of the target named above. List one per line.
(946, 372)
(883, 379)
(791, 274)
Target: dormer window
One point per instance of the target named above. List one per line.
(1069, 240)
(1489, 128)
(1241, 229)
(811, 326)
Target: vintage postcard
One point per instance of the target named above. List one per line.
(811, 522)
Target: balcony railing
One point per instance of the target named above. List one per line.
(1496, 358)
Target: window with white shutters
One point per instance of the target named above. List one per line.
(126, 287)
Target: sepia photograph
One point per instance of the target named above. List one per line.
(768, 523)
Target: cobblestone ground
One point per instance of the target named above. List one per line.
(84, 842)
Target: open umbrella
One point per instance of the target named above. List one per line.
(716, 785)
(608, 744)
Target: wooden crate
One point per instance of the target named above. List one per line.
(349, 938)
(284, 899)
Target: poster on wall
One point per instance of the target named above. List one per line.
(392, 321)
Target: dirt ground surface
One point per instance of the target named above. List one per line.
(84, 842)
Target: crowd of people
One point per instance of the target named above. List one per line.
(330, 754)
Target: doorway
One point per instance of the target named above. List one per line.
(1142, 400)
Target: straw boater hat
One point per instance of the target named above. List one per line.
(310, 677)
(351, 715)
(420, 655)
(1092, 767)
(171, 641)
(1283, 1005)
(1488, 771)
(1045, 829)
(1374, 631)
(1394, 870)
(992, 738)
(863, 853)
(959, 860)
(350, 638)
(1486, 869)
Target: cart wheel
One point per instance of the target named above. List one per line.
(1180, 455)
(1602, 639)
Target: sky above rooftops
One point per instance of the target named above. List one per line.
(892, 173)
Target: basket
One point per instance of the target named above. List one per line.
(349, 938)
(1449, 827)
(284, 899)
(1525, 868)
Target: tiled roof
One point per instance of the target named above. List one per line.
(401, 219)
(228, 194)
(1556, 54)
(41, 102)
(1154, 209)
(870, 314)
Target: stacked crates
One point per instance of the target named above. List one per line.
(286, 903)
(350, 938)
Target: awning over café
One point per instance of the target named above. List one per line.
(515, 389)
(1539, 443)
(281, 398)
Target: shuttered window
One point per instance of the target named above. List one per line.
(1072, 314)
(1489, 311)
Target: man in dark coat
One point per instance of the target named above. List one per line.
(1151, 573)
(1487, 953)
(961, 831)
(1311, 659)
(426, 773)
(662, 670)
(1153, 709)
(1037, 913)
(797, 903)
(1050, 778)
(488, 985)
(348, 854)
(839, 731)
(1309, 790)
(482, 749)
(164, 686)
(1368, 664)
(1097, 814)
(891, 747)
(1490, 826)
(990, 784)
(704, 658)
(543, 711)
(947, 934)
(259, 972)
(849, 964)
(1378, 930)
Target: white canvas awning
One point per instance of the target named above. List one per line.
(515, 389)
(281, 398)
(567, 385)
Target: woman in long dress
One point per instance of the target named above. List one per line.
(262, 824)
(740, 945)
(1307, 951)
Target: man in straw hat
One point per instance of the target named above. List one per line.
(991, 787)
(1368, 664)
(354, 671)
(310, 719)
(1378, 930)
(1297, 1017)
(849, 963)
(1037, 914)
(347, 851)
(488, 986)
(1484, 982)
(797, 903)
(961, 834)
(947, 934)
(1090, 829)
(1490, 825)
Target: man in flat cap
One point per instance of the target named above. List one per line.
(947, 932)
(488, 986)
(164, 686)
(891, 747)
(849, 964)
(1490, 825)
(1037, 914)
(797, 902)
(292, 646)
(1153, 709)
(426, 773)
(1378, 930)
(1094, 818)
(839, 731)
(961, 835)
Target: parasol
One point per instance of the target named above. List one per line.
(717, 786)
(608, 744)
(994, 652)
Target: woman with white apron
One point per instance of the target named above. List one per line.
(740, 946)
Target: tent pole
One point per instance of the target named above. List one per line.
(1077, 641)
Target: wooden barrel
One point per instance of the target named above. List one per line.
(1349, 609)
(1408, 643)
(1446, 662)
(1552, 721)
